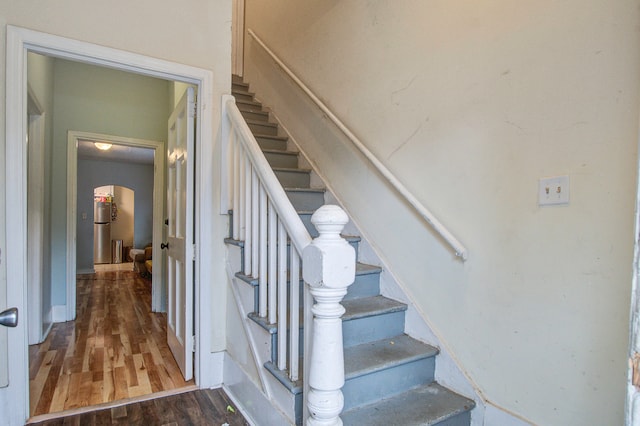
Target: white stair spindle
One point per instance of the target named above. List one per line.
(247, 217)
(255, 217)
(282, 296)
(241, 192)
(236, 186)
(329, 269)
(262, 274)
(273, 258)
(294, 313)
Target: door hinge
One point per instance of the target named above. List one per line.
(193, 253)
(193, 110)
(193, 349)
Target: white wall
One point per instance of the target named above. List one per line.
(469, 104)
(122, 227)
(196, 34)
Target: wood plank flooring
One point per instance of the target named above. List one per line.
(200, 407)
(115, 349)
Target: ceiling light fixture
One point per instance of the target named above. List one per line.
(102, 146)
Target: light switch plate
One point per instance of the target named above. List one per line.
(553, 190)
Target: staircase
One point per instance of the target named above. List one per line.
(389, 376)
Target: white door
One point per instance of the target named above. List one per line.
(180, 233)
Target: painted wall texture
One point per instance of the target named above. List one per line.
(469, 104)
(197, 34)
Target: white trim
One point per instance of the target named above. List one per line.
(35, 223)
(58, 313)
(158, 208)
(14, 402)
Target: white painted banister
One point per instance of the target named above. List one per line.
(277, 247)
(295, 228)
(456, 245)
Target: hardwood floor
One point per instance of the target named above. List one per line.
(115, 349)
(200, 407)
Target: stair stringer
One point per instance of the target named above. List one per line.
(249, 377)
(448, 371)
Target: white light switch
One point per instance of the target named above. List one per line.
(553, 190)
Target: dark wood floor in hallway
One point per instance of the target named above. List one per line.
(200, 407)
(115, 349)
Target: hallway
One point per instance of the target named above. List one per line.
(115, 349)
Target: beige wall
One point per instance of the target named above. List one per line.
(197, 34)
(469, 104)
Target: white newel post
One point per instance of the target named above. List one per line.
(329, 268)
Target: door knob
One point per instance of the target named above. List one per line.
(164, 246)
(9, 318)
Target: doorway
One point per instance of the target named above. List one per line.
(19, 42)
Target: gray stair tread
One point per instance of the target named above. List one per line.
(361, 268)
(369, 306)
(290, 169)
(276, 137)
(260, 122)
(249, 103)
(280, 152)
(382, 354)
(424, 406)
(305, 189)
(244, 92)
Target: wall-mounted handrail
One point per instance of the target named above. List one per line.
(459, 249)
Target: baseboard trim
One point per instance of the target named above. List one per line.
(59, 313)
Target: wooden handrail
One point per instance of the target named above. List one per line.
(459, 249)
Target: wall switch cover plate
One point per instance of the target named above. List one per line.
(553, 190)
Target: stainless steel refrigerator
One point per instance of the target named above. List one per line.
(101, 232)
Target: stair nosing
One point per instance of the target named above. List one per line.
(290, 169)
(299, 189)
(260, 123)
(280, 152)
(393, 306)
(275, 137)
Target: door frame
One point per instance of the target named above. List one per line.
(35, 202)
(19, 41)
(157, 282)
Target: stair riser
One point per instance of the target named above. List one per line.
(240, 95)
(305, 201)
(249, 106)
(255, 115)
(268, 143)
(370, 329)
(284, 159)
(264, 129)
(366, 285)
(372, 387)
(293, 179)
(243, 87)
